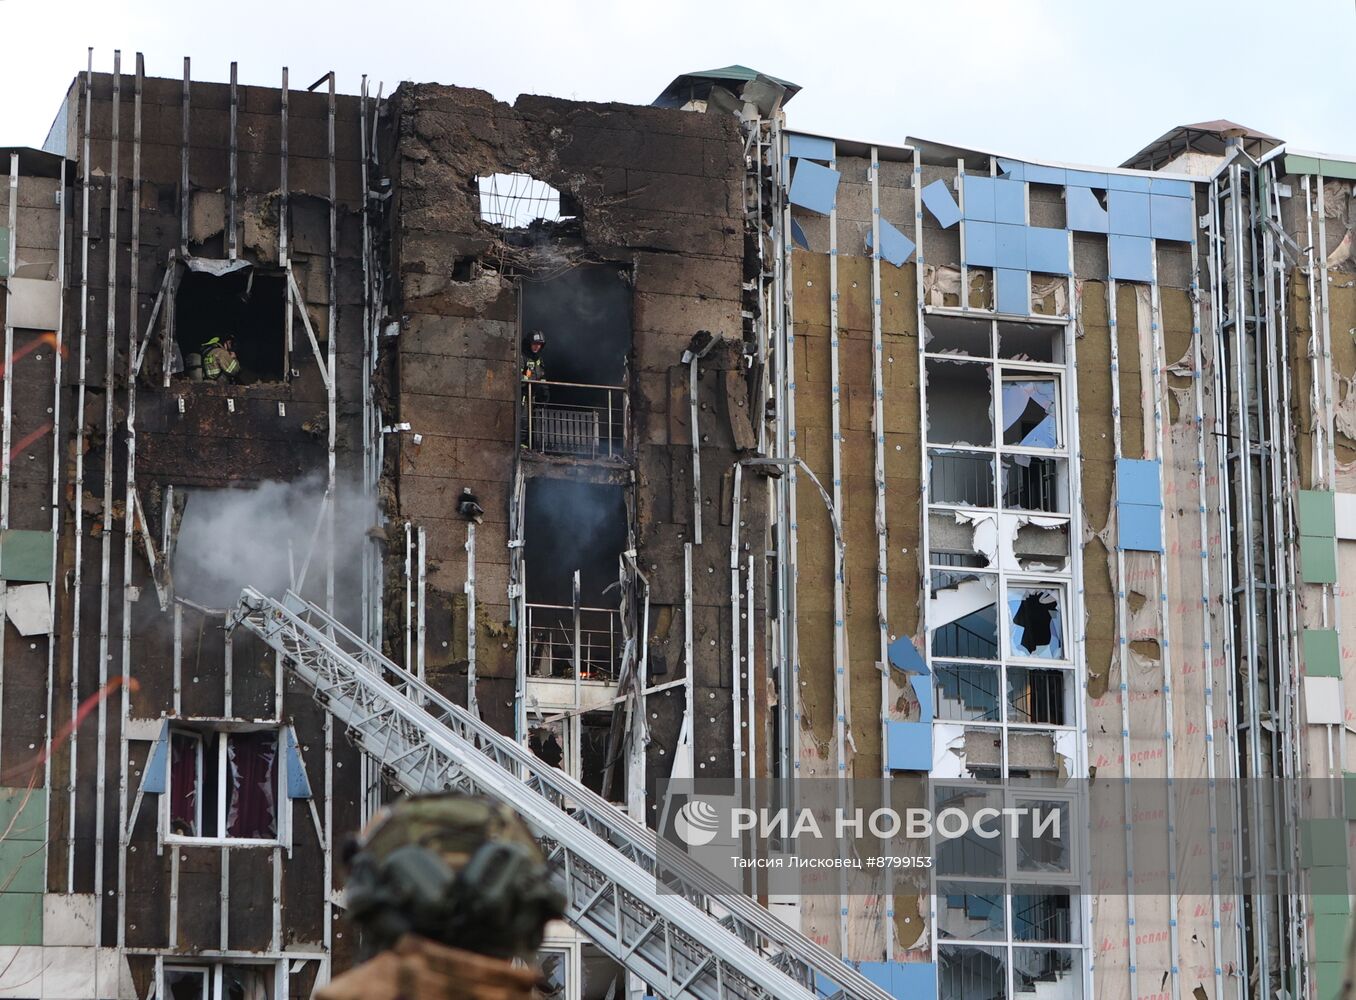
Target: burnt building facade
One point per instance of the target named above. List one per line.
(673, 443)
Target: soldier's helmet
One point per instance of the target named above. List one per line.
(457, 869)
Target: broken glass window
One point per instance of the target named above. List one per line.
(554, 964)
(1034, 483)
(954, 335)
(515, 201)
(1044, 913)
(1048, 973)
(961, 477)
(252, 785)
(246, 982)
(1036, 620)
(1044, 828)
(1029, 414)
(1041, 697)
(186, 983)
(973, 911)
(966, 692)
(1031, 342)
(962, 614)
(603, 978)
(960, 403)
(185, 779)
(547, 741)
(970, 855)
(972, 971)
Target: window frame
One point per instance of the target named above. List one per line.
(203, 730)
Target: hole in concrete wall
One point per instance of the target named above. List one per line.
(515, 201)
(960, 403)
(954, 335)
(1031, 342)
(244, 310)
(1032, 483)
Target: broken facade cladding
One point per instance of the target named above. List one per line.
(896, 462)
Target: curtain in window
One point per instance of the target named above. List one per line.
(251, 809)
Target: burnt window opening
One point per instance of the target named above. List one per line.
(576, 743)
(218, 982)
(223, 785)
(574, 531)
(576, 342)
(1039, 697)
(245, 307)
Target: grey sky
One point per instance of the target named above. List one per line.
(1087, 82)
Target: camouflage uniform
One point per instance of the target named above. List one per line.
(447, 890)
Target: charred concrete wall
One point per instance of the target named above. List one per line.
(656, 195)
(121, 629)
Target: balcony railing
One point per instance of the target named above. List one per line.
(562, 643)
(570, 418)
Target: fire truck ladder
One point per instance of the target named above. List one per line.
(696, 939)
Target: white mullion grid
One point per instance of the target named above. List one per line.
(1064, 583)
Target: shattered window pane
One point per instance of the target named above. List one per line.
(1032, 483)
(1044, 827)
(970, 855)
(1029, 413)
(547, 741)
(515, 201)
(963, 612)
(554, 965)
(1031, 342)
(252, 785)
(954, 335)
(247, 982)
(186, 984)
(1043, 913)
(966, 692)
(185, 779)
(961, 477)
(960, 403)
(1037, 622)
(964, 973)
(1048, 973)
(603, 978)
(1039, 696)
(973, 911)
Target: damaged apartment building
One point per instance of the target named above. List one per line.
(910, 463)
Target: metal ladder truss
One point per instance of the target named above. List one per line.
(695, 940)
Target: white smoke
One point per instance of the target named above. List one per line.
(260, 536)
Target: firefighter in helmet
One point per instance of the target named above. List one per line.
(447, 892)
(219, 363)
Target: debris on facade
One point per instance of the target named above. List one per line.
(658, 443)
